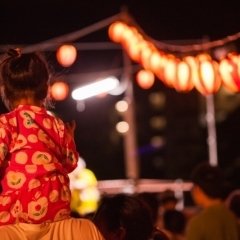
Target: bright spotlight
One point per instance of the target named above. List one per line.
(95, 88)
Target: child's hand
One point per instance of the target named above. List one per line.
(71, 127)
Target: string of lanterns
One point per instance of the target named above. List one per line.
(200, 71)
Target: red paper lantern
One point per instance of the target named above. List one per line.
(229, 69)
(145, 79)
(59, 91)
(66, 55)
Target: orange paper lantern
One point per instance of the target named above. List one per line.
(115, 31)
(229, 69)
(59, 91)
(170, 71)
(66, 55)
(209, 80)
(145, 79)
(160, 73)
(183, 81)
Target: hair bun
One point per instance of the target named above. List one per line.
(14, 52)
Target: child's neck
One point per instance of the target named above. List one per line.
(29, 101)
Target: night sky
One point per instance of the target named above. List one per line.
(30, 22)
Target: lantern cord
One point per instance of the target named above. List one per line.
(183, 48)
(196, 47)
(125, 17)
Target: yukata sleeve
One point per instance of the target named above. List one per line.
(70, 153)
(4, 141)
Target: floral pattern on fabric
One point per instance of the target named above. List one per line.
(37, 152)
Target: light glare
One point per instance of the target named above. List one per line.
(96, 88)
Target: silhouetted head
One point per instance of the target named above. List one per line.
(174, 221)
(125, 217)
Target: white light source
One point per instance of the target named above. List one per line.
(96, 88)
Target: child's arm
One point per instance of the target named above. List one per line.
(71, 153)
(71, 127)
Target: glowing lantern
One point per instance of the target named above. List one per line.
(127, 34)
(145, 79)
(192, 62)
(229, 69)
(155, 61)
(59, 91)
(183, 80)
(160, 73)
(133, 47)
(116, 30)
(204, 73)
(209, 80)
(145, 55)
(66, 55)
(170, 71)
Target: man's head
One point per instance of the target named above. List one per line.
(209, 179)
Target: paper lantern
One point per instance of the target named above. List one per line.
(59, 91)
(229, 69)
(115, 31)
(133, 46)
(66, 55)
(170, 71)
(160, 73)
(209, 80)
(204, 73)
(183, 81)
(128, 33)
(155, 61)
(145, 79)
(145, 55)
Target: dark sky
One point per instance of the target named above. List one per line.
(30, 22)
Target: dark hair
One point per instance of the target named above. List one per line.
(129, 212)
(174, 221)
(209, 178)
(152, 201)
(23, 74)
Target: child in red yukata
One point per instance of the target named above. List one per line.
(37, 150)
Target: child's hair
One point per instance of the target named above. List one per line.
(24, 75)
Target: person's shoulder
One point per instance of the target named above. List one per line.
(83, 228)
(80, 223)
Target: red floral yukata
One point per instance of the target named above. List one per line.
(36, 154)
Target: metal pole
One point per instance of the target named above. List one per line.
(130, 143)
(211, 140)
